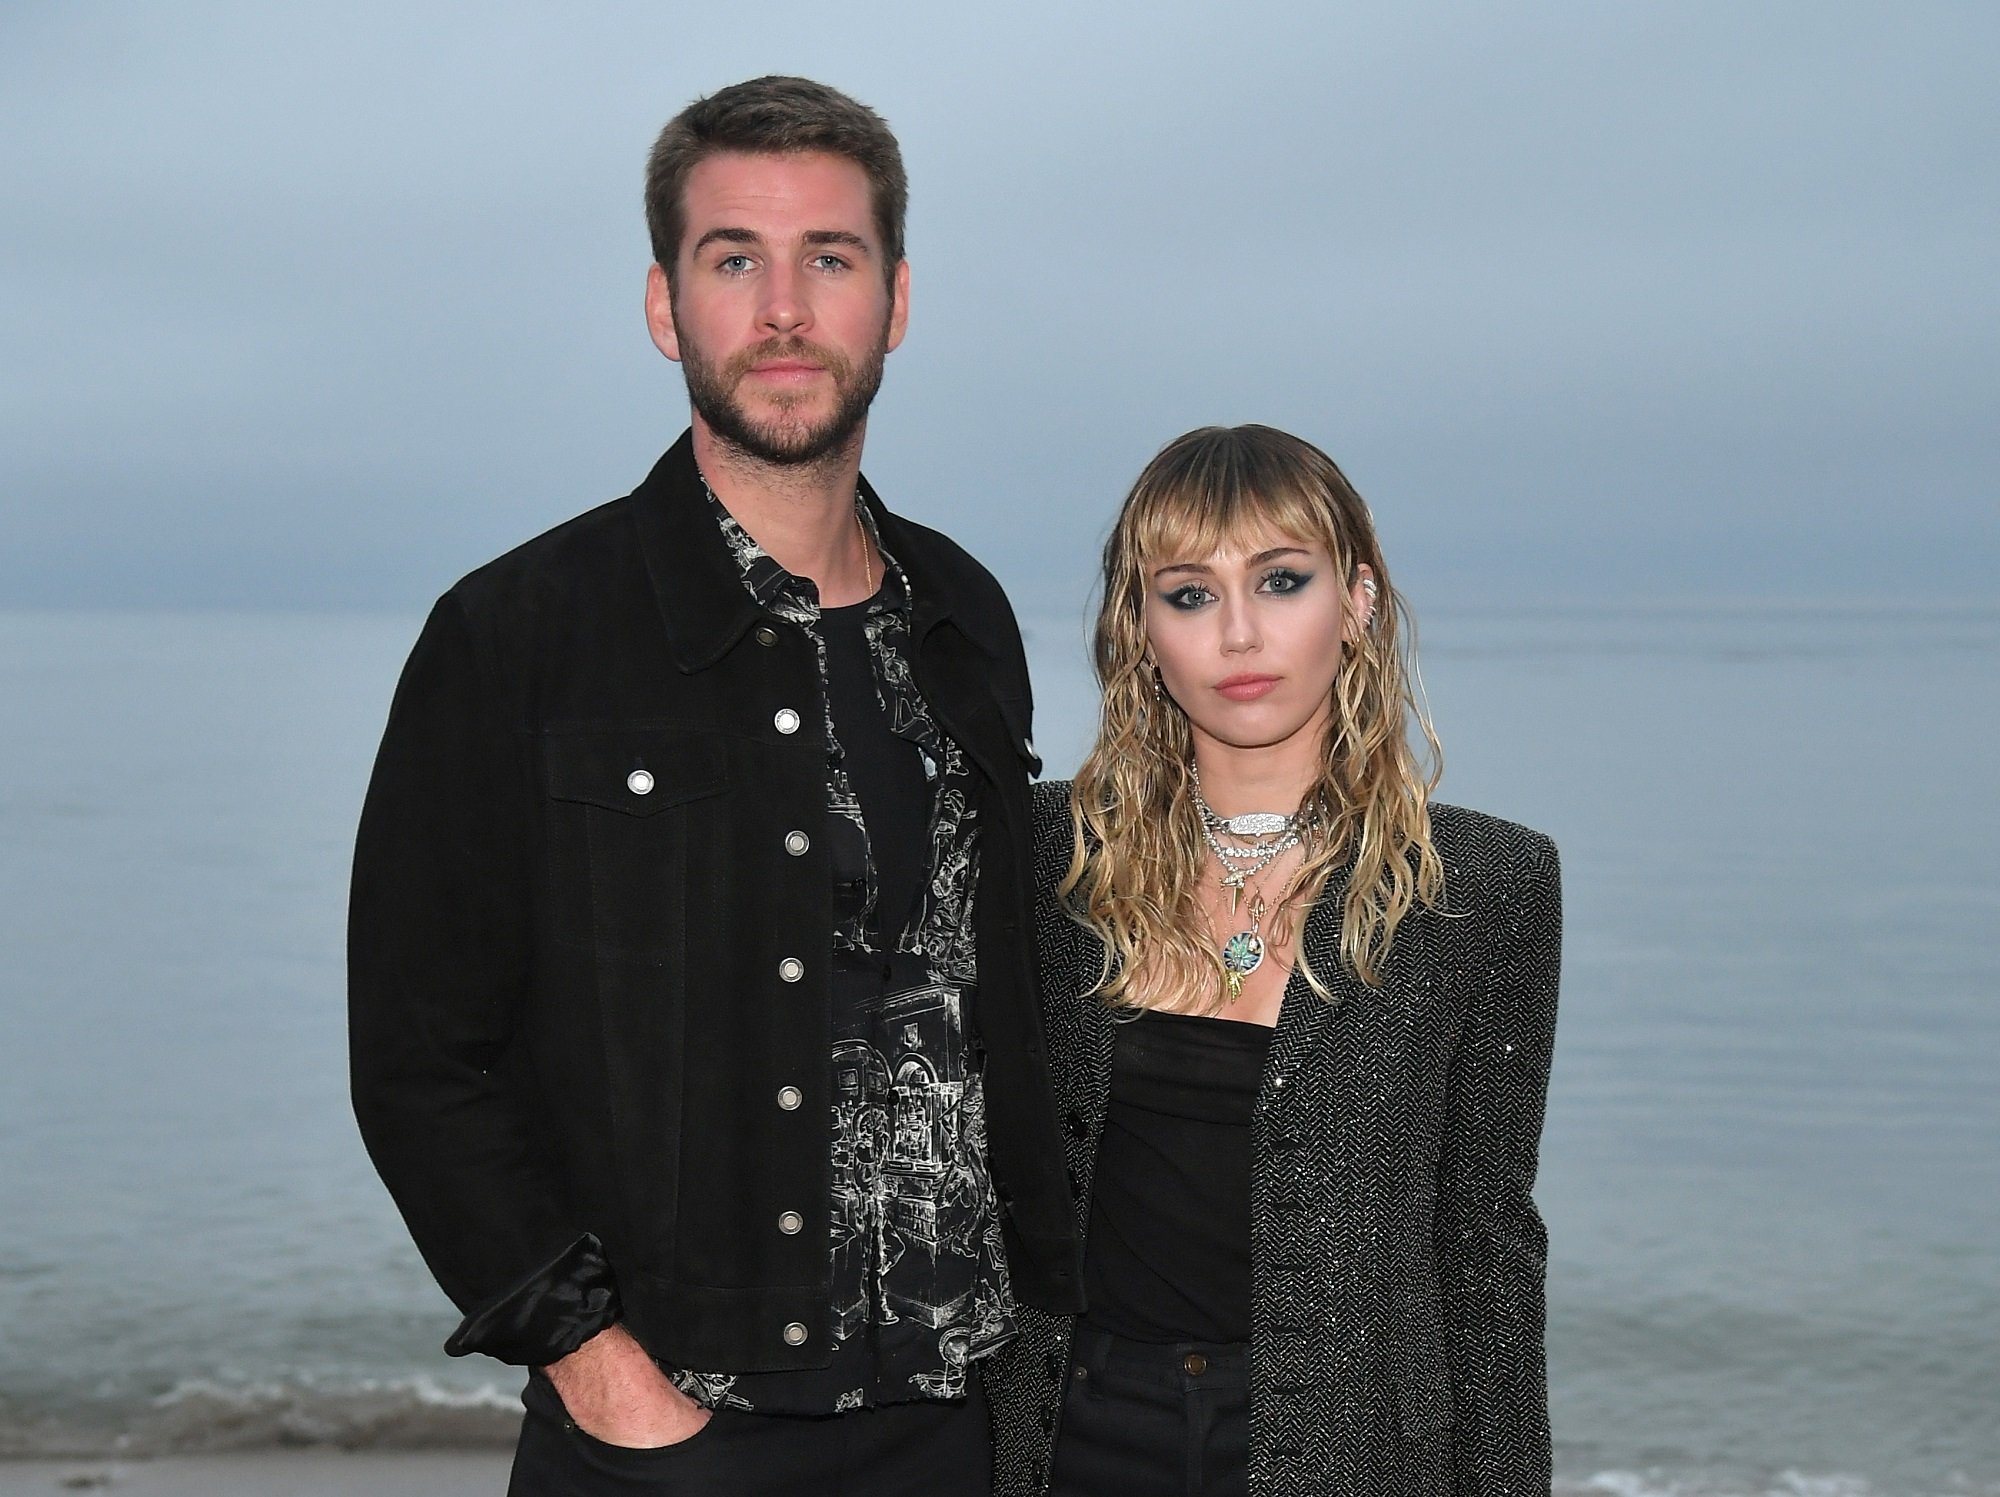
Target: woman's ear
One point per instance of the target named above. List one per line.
(1361, 600)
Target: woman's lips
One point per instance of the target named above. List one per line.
(1246, 688)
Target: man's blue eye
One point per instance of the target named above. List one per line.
(735, 262)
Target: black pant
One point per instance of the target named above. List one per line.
(922, 1449)
(1142, 1420)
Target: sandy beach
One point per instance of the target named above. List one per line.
(301, 1473)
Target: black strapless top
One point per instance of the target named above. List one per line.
(1168, 1255)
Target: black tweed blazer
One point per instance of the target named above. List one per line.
(1396, 1254)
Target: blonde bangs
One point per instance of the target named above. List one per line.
(1211, 506)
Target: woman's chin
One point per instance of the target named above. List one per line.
(1247, 730)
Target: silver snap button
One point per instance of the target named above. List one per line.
(785, 720)
(796, 843)
(790, 1223)
(791, 969)
(766, 635)
(639, 782)
(795, 1334)
(789, 1098)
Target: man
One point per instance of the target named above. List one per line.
(700, 821)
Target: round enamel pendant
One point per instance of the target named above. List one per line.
(1242, 954)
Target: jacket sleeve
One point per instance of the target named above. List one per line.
(439, 959)
(1491, 1246)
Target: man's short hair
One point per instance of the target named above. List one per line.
(778, 116)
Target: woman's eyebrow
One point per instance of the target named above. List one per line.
(1249, 561)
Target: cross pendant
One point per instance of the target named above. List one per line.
(1233, 882)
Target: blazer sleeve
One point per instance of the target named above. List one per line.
(439, 952)
(1491, 1247)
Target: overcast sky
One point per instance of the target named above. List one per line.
(324, 305)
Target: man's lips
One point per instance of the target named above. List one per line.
(1246, 688)
(787, 369)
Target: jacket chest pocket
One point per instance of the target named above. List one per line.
(623, 809)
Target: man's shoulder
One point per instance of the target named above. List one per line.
(586, 550)
(934, 560)
(586, 558)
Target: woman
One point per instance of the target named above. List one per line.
(1300, 1020)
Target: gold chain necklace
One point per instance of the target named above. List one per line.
(867, 567)
(1243, 952)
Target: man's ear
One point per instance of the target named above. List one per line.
(899, 304)
(660, 314)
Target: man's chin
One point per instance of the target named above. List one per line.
(784, 442)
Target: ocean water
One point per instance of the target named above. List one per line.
(1772, 1164)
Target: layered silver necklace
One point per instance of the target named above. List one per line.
(1262, 838)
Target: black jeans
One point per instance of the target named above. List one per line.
(923, 1449)
(1143, 1420)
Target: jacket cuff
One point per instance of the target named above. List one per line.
(547, 1315)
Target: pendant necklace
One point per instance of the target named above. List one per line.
(1243, 953)
(1241, 864)
(1271, 834)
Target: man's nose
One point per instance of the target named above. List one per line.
(784, 308)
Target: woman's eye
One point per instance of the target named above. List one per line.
(1191, 596)
(1285, 580)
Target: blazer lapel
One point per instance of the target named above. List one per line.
(1096, 1036)
(1080, 1032)
(1305, 1019)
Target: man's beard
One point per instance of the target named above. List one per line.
(784, 440)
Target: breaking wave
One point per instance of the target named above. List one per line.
(1788, 1483)
(201, 1416)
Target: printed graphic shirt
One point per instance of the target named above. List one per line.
(918, 1270)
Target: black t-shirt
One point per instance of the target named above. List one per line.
(887, 775)
(1168, 1256)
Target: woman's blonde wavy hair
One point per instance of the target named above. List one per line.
(1139, 852)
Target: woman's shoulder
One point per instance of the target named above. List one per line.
(1069, 956)
(1054, 830)
(1051, 802)
(1489, 856)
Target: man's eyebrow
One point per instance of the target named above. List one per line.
(836, 236)
(814, 237)
(726, 236)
